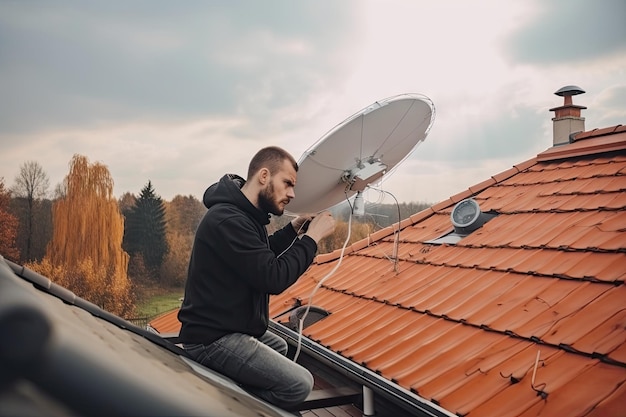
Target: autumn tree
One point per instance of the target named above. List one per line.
(8, 226)
(85, 254)
(336, 240)
(31, 184)
(174, 269)
(144, 234)
(183, 214)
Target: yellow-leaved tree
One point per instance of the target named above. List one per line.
(85, 254)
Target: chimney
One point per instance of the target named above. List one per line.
(567, 120)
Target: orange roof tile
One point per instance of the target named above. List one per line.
(166, 324)
(605, 140)
(461, 325)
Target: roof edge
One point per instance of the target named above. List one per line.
(68, 297)
(588, 143)
(362, 375)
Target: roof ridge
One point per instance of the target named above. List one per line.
(597, 132)
(588, 143)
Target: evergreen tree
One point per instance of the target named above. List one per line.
(145, 230)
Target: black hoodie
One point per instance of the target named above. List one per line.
(235, 266)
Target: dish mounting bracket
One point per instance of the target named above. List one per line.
(363, 173)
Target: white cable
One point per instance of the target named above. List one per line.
(319, 284)
(293, 241)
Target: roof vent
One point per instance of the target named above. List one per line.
(314, 315)
(466, 217)
(567, 119)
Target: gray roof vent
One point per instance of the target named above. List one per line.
(466, 217)
(569, 90)
(314, 315)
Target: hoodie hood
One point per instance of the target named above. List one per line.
(228, 190)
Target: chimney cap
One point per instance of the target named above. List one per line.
(569, 90)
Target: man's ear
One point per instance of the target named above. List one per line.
(264, 175)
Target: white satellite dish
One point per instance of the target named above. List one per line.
(360, 150)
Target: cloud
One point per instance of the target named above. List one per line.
(93, 63)
(569, 31)
(607, 109)
(180, 93)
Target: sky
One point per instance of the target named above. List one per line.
(180, 93)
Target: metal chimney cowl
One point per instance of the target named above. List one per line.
(567, 120)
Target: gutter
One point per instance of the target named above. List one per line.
(395, 393)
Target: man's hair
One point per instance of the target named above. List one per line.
(271, 158)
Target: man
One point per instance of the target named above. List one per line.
(233, 269)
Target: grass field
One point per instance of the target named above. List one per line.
(158, 301)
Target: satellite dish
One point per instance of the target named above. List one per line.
(360, 150)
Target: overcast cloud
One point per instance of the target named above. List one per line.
(179, 93)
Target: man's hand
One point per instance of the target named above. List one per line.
(322, 225)
(299, 223)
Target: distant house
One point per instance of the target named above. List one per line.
(507, 299)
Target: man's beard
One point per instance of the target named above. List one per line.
(267, 203)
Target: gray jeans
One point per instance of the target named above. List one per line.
(259, 365)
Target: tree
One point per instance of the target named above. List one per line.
(184, 213)
(338, 238)
(126, 202)
(59, 191)
(41, 233)
(144, 234)
(85, 253)
(174, 269)
(32, 185)
(8, 226)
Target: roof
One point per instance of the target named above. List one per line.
(166, 323)
(62, 356)
(525, 316)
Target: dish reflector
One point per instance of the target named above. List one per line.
(360, 150)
